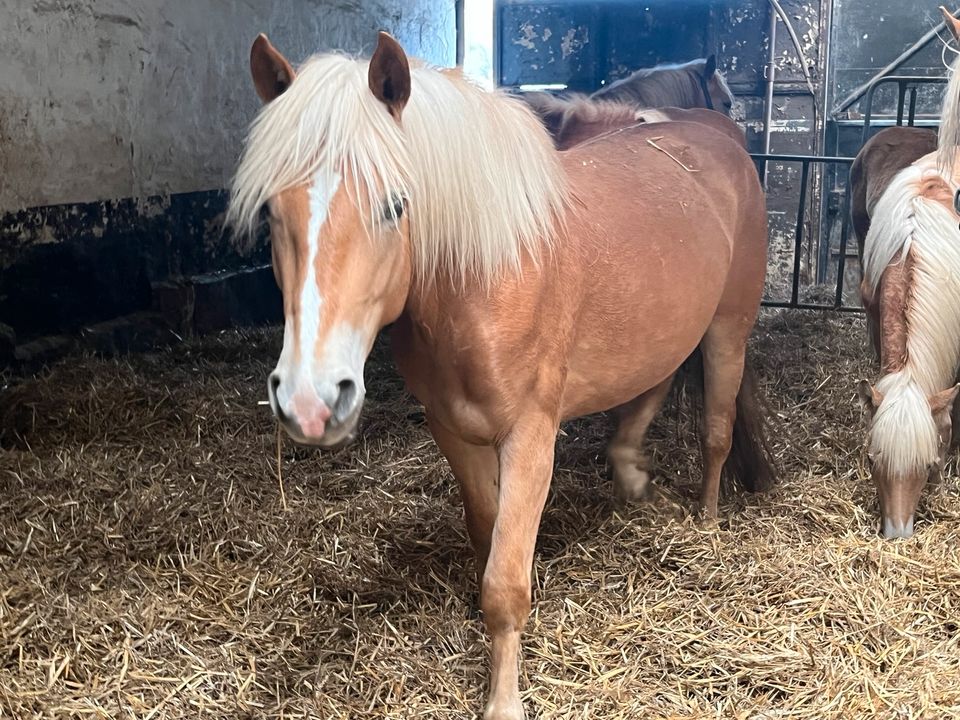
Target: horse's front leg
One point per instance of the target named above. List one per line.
(526, 466)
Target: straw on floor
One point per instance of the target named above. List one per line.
(149, 567)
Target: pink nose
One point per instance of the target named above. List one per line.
(310, 414)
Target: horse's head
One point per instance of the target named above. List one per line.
(341, 257)
(909, 439)
(715, 87)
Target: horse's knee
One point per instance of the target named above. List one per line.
(505, 602)
(718, 433)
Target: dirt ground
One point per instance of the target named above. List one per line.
(150, 567)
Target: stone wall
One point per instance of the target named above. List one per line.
(120, 124)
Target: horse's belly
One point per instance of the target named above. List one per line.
(638, 324)
(608, 369)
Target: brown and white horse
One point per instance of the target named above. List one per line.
(694, 84)
(911, 289)
(526, 286)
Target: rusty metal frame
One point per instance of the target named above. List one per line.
(761, 159)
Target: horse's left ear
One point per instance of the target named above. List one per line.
(953, 25)
(389, 75)
(710, 68)
(271, 72)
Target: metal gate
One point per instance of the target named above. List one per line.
(794, 300)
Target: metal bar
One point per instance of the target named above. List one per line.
(798, 237)
(458, 14)
(899, 79)
(810, 306)
(823, 244)
(887, 69)
(868, 112)
(901, 94)
(787, 157)
(912, 116)
(771, 73)
(842, 262)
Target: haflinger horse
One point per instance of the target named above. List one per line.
(525, 286)
(694, 84)
(911, 290)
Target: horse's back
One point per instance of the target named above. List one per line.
(702, 169)
(879, 161)
(671, 231)
(711, 118)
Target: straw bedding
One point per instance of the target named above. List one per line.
(150, 567)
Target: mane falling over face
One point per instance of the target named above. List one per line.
(374, 182)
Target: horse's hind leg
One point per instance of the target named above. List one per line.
(631, 465)
(724, 349)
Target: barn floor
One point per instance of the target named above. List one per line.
(150, 567)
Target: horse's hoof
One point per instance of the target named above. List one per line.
(510, 710)
(632, 485)
(707, 519)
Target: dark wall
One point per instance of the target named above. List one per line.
(584, 44)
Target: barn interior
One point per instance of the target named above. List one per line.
(165, 552)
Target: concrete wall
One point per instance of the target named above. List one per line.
(104, 99)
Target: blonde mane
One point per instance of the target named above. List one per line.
(949, 133)
(904, 221)
(483, 182)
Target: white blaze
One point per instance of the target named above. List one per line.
(303, 343)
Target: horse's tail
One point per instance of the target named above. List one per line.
(750, 462)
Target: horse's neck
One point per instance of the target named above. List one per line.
(911, 345)
(653, 91)
(893, 296)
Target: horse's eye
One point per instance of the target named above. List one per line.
(393, 208)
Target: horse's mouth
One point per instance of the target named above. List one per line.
(338, 435)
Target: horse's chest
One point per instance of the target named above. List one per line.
(454, 387)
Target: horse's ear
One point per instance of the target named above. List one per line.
(272, 74)
(389, 75)
(953, 25)
(942, 402)
(870, 398)
(710, 68)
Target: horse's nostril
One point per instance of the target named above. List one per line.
(347, 395)
(273, 386)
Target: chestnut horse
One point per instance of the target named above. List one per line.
(527, 286)
(911, 289)
(694, 84)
